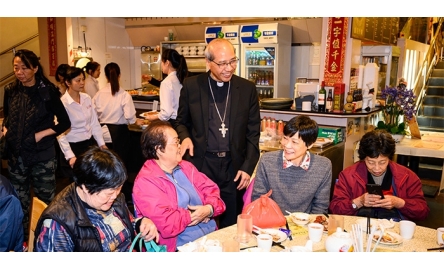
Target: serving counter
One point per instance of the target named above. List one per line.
(355, 124)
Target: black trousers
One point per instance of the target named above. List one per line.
(77, 148)
(121, 136)
(220, 170)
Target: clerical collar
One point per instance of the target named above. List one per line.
(219, 84)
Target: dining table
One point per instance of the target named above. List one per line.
(423, 238)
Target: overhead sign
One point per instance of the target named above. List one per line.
(228, 32)
(259, 33)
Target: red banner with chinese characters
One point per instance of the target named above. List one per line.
(335, 50)
(52, 45)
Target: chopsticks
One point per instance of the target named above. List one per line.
(288, 228)
(437, 248)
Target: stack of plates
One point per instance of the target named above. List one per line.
(276, 103)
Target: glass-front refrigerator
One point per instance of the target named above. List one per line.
(387, 59)
(266, 58)
(228, 32)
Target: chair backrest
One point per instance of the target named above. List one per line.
(36, 211)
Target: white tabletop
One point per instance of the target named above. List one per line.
(423, 238)
(431, 145)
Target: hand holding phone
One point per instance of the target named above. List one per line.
(375, 189)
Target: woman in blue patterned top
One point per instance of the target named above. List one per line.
(91, 213)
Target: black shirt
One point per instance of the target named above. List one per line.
(216, 142)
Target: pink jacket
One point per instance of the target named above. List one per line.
(155, 197)
(352, 184)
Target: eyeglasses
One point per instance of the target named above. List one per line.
(232, 63)
(177, 142)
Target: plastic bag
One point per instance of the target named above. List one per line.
(266, 213)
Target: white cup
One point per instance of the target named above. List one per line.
(165, 38)
(306, 106)
(440, 236)
(407, 229)
(315, 231)
(264, 242)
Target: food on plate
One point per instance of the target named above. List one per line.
(386, 238)
(133, 92)
(322, 220)
(300, 218)
(145, 114)
(153, 92)
(275, 236)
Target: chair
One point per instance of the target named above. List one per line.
(36, 211)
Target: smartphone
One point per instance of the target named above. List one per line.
(375, 189)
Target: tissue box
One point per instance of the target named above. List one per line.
(334, 133)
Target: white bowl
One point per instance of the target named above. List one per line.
(300, 218)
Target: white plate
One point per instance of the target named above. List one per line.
(397, 238)
(273, 232)
(388, 224)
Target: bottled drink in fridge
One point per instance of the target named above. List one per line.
(321, 98)
(329, 104)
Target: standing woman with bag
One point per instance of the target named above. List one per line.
(175, 66)
(30, 104)
(91, 83)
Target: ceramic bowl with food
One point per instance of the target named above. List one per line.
(300, 218)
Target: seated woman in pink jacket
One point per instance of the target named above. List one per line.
(180, 200)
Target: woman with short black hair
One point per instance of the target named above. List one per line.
(91, 214)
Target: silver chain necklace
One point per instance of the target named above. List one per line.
(223, 129)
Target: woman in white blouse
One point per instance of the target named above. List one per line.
(91, 83)
(115, 110)
(175, 66)
(85, 128)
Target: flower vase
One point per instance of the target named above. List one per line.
(398, 137)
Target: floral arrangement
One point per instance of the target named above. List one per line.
(399, 101)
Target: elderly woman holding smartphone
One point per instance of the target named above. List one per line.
(402, 196)
(181, 201)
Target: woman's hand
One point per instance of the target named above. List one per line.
(148, 230)
(103, 147)
(389, 202)
(71, 161)
(139, 122)
(199, 213)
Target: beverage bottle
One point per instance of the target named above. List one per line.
(250, 59)
(255, 59)
(329, 104)
(321, 98)
(271, 79)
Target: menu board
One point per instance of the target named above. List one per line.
(382, 30)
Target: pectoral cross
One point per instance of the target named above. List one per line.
(223, 130)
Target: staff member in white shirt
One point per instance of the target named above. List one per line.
(85, 128)
(91, 83)
(175, 66)
(115, 109)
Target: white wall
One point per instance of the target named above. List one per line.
(109, 42)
